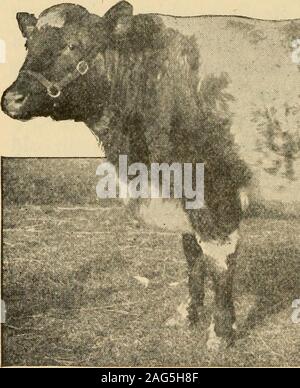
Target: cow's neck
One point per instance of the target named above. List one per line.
(124, 73)
(100, 126)
(110, 135)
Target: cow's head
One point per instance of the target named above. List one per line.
(64, 75)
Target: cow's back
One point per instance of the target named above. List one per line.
(257, 55)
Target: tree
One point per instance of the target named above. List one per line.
(279, 138)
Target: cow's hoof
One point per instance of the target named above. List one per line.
(217, 344)
(213, 343)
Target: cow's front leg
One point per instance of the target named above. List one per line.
(221, 257)
(196, 276)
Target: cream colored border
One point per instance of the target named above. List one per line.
(43, 137)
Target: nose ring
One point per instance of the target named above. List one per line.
(82, 67)
(53, 91)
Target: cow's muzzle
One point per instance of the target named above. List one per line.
(12, 103)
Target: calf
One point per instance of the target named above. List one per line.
(136, 84)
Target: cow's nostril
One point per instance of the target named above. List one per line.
(14, 98)
(19, 98)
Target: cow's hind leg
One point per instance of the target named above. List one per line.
(224, 315)
(196, 276)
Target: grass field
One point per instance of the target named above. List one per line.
(72, 297)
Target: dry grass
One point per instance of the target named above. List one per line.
(72, 298)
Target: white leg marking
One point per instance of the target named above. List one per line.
(218, 251)
(213, 342)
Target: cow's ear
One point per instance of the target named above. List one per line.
(119, 18)
(121, 9)
(27, 23)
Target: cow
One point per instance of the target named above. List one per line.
(137, 85)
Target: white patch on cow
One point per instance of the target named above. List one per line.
(51, 19)
(213, 342)
(220, 250)
(166, 214)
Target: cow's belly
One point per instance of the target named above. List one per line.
(166, 214)
(169, 215)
